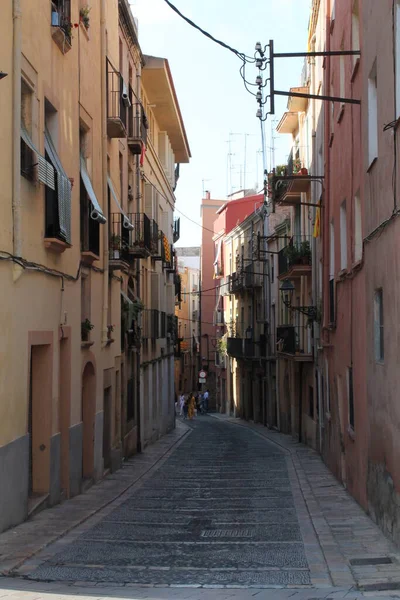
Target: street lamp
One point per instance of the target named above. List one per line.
(287, 291)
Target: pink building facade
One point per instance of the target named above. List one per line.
(381, 235)
(344, 320)
(209, 208)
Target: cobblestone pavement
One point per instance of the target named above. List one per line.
(230, 507)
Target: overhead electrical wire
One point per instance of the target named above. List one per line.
(236, 52)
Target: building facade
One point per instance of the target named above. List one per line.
(379, 232)
(187, 359)
(75, 351)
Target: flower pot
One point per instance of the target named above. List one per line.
(55, 19)
(303, 171)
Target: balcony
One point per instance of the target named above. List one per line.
(295, 259)
(288, 191)
(126, 244)
(252, 276)
(195, 316)
(118, 103)
(178, 288)
(151, 324)
(137, 126)
(177, 229)
(240, 347)
(170, 266)
(219, 317)
(172, 328)
(61, 26)
(296, 341)
(157, 244)
(236, 282)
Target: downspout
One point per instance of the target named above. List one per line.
(314, 262)
(16, 184)
(103, 55)
(138, 273)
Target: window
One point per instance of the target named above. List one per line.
(57, 198)
(358, 242)
(342, 76)
(378, 326)
(272, 268)
(27, 155)
(397, 82)
(350, 395)
(355, 30)
(332, 273)
(343, 236)
(372, 115)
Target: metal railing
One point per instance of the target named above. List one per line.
(236, 283)
(177, 229)
(195, 315)
(61, 17)
(125, 243)
(117, 98)
(252, 276)
(297, 252)
(137, 120)
(294, 339)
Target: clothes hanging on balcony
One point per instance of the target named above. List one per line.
(63, 188)
(97, 212)
(126, 222)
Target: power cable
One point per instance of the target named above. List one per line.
(240, 55)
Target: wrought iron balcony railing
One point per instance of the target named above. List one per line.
(296, 256)
(118, 103)
(137, 125)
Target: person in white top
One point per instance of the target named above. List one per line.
(181, 404)
(205, 400)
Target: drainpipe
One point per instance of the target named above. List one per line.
(16, 184)
(138, 272)
(103, 56)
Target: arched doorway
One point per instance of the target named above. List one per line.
(88, 419)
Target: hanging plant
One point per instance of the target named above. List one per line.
(84, 15)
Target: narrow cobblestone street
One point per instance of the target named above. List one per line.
(226, 508)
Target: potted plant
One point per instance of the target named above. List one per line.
(110, 329)
(304, 171)
(86, 328)
(115, 244)
(291, 253)
(305, 252)
(84, 15)
(296, 166)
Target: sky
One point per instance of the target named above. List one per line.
(218, 113)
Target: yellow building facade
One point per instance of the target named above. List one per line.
(76, 279)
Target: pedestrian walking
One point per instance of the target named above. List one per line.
(206, 395)
(191, 405)
(181, 404)
(185, 408)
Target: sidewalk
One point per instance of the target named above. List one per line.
(26, 540)
(355, 549)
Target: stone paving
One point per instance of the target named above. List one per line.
(229, 510)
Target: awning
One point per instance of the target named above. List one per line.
(63, 188)
(126, 222)
(45, 169)
(97, 212)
